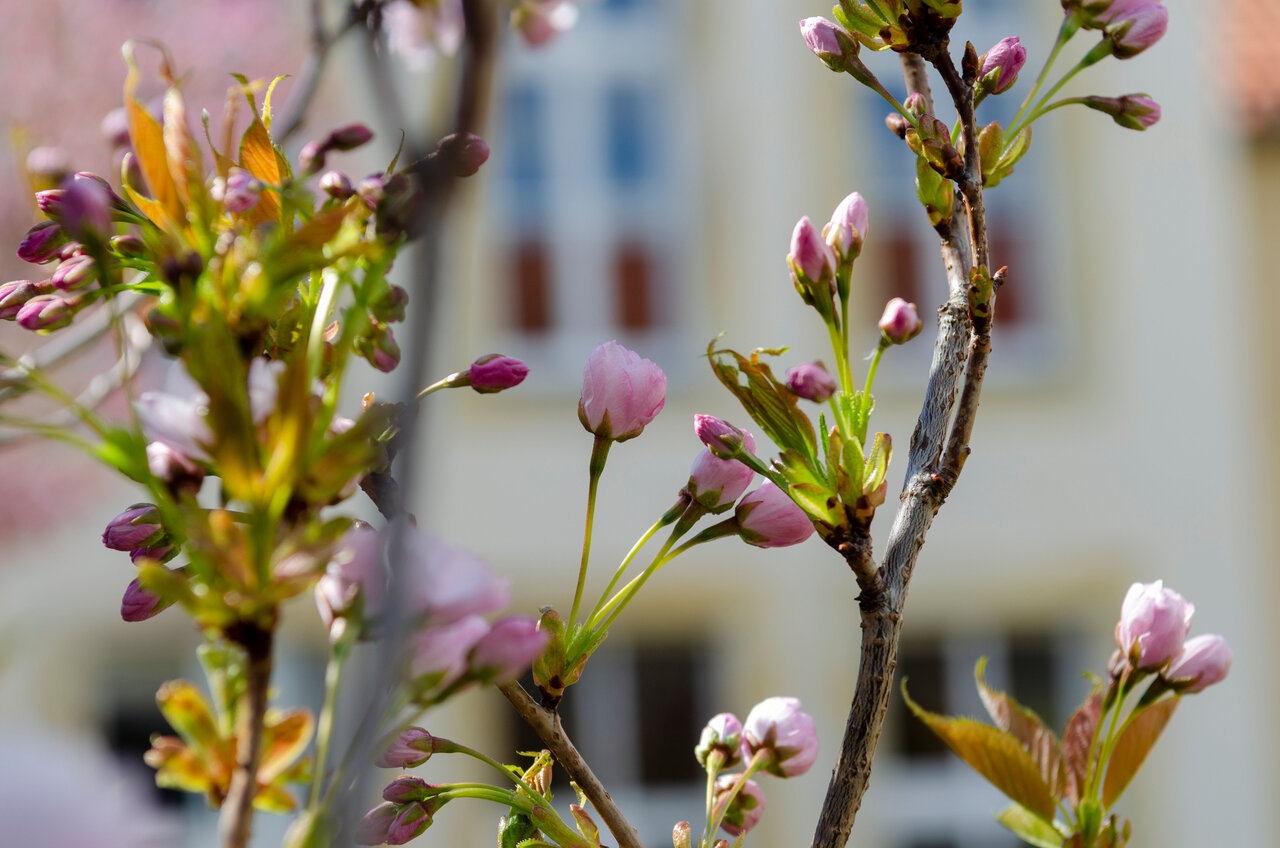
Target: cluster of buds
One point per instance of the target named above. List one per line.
(1151, 637)
(777, 738)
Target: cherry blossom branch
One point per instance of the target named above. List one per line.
(236, 822)
(546, 723)
(960, 351)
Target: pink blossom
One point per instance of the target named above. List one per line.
(409, 748)
(376, 824)
(1135, 26)
(722, 734)
(354, 579)
(508, 649)
(1202, 662)
(1154, 622)
(716, 482)
(820, 37)
(621, 392)
(409, 823)
(1005, 60)
(900, 322)
(778, 726)
(540, 21)
(746, 807)
(446, 584)
(768, 518)
(809, 254)
(132, 528)
(721, 438)
(442, 650)
(848, 226)
(494, 373)
(811, 381)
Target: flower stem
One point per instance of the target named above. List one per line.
(338, 652)
(599, 454)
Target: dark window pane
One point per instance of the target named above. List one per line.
(922, 664)
(1033, 674)
(531, 282)
(127, 731)
(669, 720)
(902, 258)
(627, 126)
(1012, 301)
(633, 276)
(526, 145)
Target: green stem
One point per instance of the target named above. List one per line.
(434, 387)
(534, 794)
(1094, 56)
(713, 822)
(315, 343)
(845, 375)
(1064, 35)
(626, 593)
(599, 454)
(626, 561)
(864, 408)
(1099, 745)
(324, 726)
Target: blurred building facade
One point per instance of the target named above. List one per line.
(647, 171)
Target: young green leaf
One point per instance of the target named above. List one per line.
(1030, 828)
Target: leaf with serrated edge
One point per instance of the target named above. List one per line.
(1133, 746)
(1024, 725)
(1030, 828)
(1077, 740)
(995, 755)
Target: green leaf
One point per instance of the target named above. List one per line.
(185, 708)
(1030, 828)
(994, 754)
(769, 403)
(1077, 739)
(1133, 746)
(1024, 725)
(877, 463)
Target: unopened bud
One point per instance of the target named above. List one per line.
(900, 322)
(336, 184)
(722, 735)
(15, 294)
(463, 153)
(349, 137)
(494, 373)
(138, 604)
(1132, 111)
(405, 789)
(127, 246)
(132, 528)
(48, 312)
(239, 192)
(42, 242)
(811, 381)
(829, 42)
(1004, 60)
(721, 438)
(412, 820)
(409, 748)
(75, 273)
(915, 104)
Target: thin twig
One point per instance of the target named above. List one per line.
(546, 723)
(236, 820)
(924, 489)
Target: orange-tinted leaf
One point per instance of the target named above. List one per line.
(176, 765)
(994, 754)
(320, 229)
(185, 165)
(148, 145)
(185, 708)
(258, 157)
(1077, 739)
(284, 738)
(769, 403)
(274, 799)
(1023, 725)
(1133, 746)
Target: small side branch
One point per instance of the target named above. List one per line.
(546, 723)
(236, 823)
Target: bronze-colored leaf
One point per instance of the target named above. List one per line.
(1077, 739)
(769, 403)
(258, 157)
(274, 799)
(1025, 726)
(148, 146)
(176, 765)
(285, 736)
(185, 708)
(1133, 746)
(994, 754)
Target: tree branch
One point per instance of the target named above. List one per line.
(546, 723)
(925, 488)
(236, 821)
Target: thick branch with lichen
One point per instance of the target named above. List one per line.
(941, 435)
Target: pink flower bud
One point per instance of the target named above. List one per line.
(158, 552)
(463, 153)
(239, 193)
(768, 518)
(412, 820)
(721, 438)
(173, 468)
(48, 312)
(1132, 111)
(15, 294)
(138, 604)
(1153, 624)
(776, 725)
(311, 157)
(446, 584)
(349, 137)
(42, 243)
(915, 104)
(1133, 27)
(811, 381)
(809, 253)
(336, 184)
(410, 748)
(1203, 661)
(1004, 60)
(828, 42)
(86, 207)
(716, 483)
(540, 21)
(723, 734)
(495, 372)
(900, 322)
(376, 824)
(746, 807)
(621, 392)
(75, 273)
(406, 789)
(132, 528)
(508, 649)
(848, 226)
